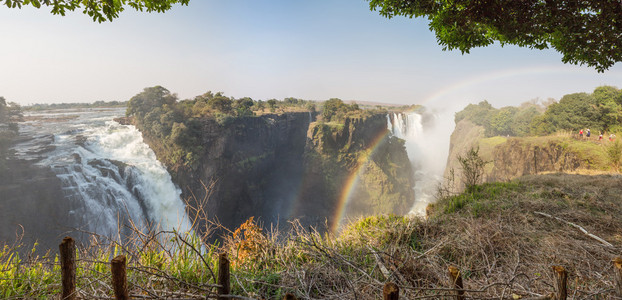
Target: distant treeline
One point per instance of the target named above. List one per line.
(96, 104)
(599, 111)
(160, 114)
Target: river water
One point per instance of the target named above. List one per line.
(109, 175)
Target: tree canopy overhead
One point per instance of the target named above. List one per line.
(99, 10)
(583, 31)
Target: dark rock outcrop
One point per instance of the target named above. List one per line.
(32, 203)
(285, 166)
(358, 163)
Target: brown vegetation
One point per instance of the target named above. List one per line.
(498, 238)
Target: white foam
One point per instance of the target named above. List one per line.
(427, 148)
(104, 192)
(162, 198)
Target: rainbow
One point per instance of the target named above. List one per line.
(503, 74)
(353, 179)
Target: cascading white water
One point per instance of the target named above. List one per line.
(110, 175)
(152, 184)
(427, 148)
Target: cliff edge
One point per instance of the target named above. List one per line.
(278, 167)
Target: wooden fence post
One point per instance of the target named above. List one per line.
(223, 276)
(456, 281)
(562, 277)
(391, 291)
(290, 296)
(119, 278)
(617, 269)
(68, 268)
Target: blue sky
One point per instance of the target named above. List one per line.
(314, 49)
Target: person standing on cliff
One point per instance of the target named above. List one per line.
(581, 133)
(587, 134)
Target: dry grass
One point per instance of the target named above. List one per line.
(493, 235)
(591, 172)
(500, 238)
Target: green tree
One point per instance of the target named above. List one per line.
(584, 32)
(509, 120)
(477, 113)
(605, 94)
(10, 114)
(331, 108)
(180, 135)
(221, 103)
(205, 97)
(522, 119)
(501, 122)
(600, 110)
(260, 105)
(100, 10)
(540, 125)
(243, 107)
(572, 112)
(150, 99)
(607, 100)
(610, 115)
(290, 101)
(272, 104)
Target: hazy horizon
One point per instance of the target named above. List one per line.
(310, 50)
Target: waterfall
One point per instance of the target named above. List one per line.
(427, 148)
(111, 176)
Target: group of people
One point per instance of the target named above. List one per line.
(600, 136)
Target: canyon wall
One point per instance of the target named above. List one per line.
(512, 157)
(279, 167)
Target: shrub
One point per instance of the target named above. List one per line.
(614, 153)
(472, 168)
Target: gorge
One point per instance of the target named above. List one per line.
(290, 166)
(86, 172)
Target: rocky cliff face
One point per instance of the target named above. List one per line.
(26, 191)
(513, 157)
(358, 163)
(517, 157)
(279, 167)
(465, 136)
(251, 167)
